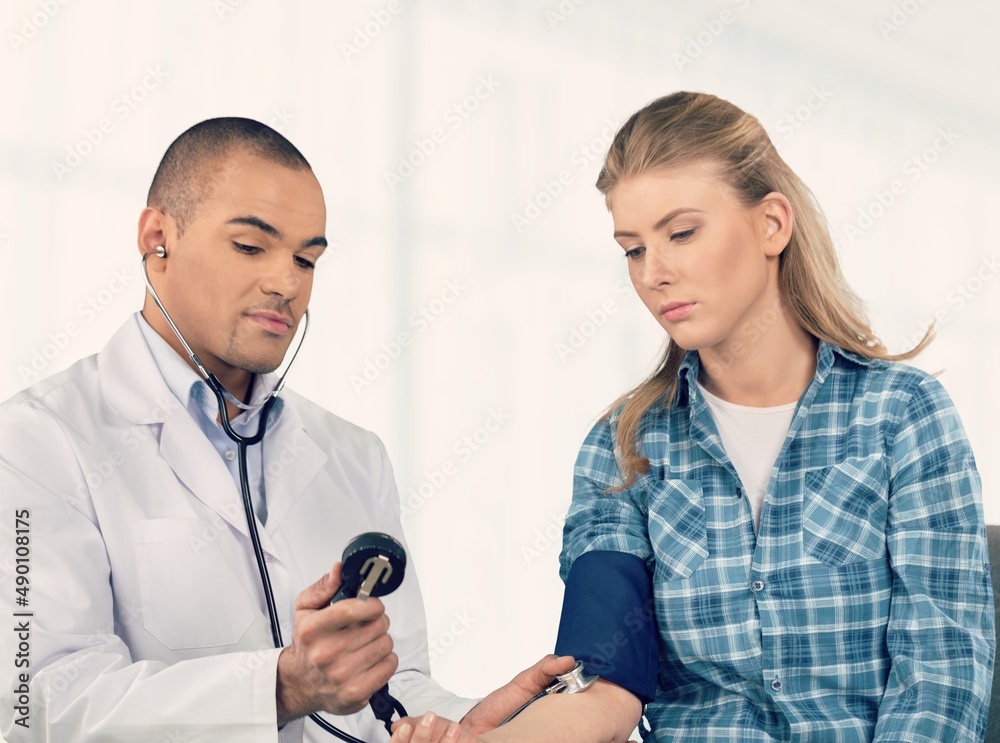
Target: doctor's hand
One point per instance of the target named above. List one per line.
(339, 656)
(486, 715)
(430, 729)
(502, 703)
(433, 729)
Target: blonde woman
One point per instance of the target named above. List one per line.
(791, 520)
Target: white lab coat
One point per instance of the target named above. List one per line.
(148, 619)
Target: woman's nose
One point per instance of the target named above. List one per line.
(656, 268)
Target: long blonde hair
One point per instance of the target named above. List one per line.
(683, 128)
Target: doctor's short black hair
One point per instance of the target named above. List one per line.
(185, 177)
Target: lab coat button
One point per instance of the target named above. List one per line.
(230, 455)
(757, 585)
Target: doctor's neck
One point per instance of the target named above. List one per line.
(242, 394)
(237, 381)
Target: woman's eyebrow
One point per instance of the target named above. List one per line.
(663, 221)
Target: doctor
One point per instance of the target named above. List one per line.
(143, 614)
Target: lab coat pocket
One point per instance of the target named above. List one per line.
(844, 510)
(677, 528)
(190, 596)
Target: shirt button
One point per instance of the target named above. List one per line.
(757, 585)
(230, 455)
(776, 684)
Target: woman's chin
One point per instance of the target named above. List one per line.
(685, 338)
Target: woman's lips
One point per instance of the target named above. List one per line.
(674, 311)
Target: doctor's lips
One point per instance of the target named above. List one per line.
(674, 311)
(273, 322)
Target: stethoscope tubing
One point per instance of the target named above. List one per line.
(242, 443)
(571, 682)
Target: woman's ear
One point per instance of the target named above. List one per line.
(776, 212)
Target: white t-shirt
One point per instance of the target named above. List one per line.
(752, 437)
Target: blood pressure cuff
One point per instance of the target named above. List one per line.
(609, 620)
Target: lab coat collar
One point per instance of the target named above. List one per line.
(131, 383)
(134, 388)
(193, 391)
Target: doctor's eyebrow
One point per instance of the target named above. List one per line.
(272, 231)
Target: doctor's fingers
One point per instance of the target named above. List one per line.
(346, 613)
(319, 593)
(543, 673)
(429, 729)
(339, 631)
(352, 612)
(349, 684)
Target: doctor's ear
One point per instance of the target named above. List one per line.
(155, 231)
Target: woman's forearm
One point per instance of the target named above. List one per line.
(605, 712)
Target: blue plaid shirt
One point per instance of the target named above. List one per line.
(862, 610)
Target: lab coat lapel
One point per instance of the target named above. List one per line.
(291, 461)
(198, 466)
(134, 389)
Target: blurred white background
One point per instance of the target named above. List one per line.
(458, 142)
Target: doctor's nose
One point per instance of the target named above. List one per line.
(282, 278)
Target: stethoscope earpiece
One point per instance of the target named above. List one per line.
(376, 570)
(221, 392)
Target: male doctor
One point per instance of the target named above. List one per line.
(143, 617)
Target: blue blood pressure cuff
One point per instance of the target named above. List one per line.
(609, 620)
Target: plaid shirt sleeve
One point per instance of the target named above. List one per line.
(597, 519)
(940, 634)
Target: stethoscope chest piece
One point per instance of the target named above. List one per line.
(572, 681)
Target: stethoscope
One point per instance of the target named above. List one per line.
(570, 682)
(242, 442)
